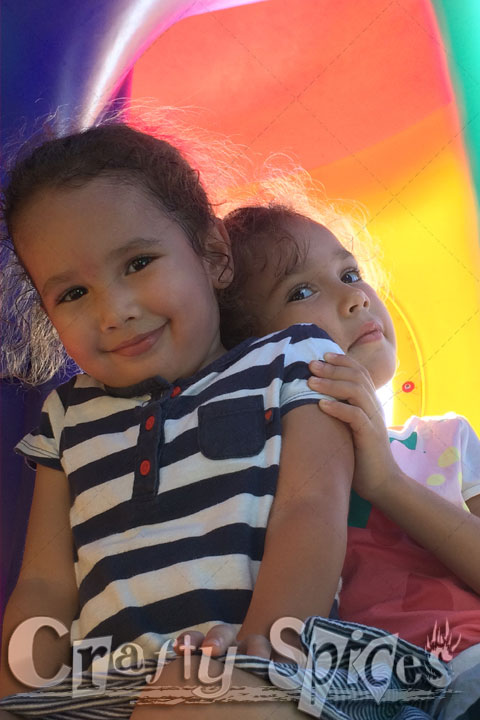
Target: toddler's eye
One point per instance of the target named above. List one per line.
(139, 263)
(73, 294)
(351, 276)
(300, 293)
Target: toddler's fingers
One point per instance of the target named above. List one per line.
(257, 645)
(353, 416)
(355, 393)
(192, 638)
(355, 372)
(341, 359)
(219, 639)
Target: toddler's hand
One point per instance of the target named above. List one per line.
(219, 638)
(257, 645)
(346, 380)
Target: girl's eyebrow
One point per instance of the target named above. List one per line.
(344, 254)
(298, 266)
(133, 245)
(138, 243)
(55, 280)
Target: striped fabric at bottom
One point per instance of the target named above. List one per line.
(332, 695)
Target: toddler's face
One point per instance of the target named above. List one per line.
(120, 281)
(324, 288)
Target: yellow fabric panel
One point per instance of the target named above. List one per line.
(417, 190)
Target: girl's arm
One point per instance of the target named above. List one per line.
(173, 676)
(305, 539)
(46, 585)
(307, 528)
(449, 532)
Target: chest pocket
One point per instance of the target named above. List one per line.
(232, 428)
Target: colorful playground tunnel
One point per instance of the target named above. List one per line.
(378, 99)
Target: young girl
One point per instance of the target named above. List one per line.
(158, 467)
(413, 554)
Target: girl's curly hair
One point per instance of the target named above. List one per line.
(31, 348)
(263, 218)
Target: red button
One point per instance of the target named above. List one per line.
(268, 415)
(408, 386)
(150, 422)
(176, 391)
(144, 467)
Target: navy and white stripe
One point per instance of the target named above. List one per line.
(172, 484)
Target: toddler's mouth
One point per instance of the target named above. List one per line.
(370, 332)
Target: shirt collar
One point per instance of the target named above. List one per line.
(150, 386)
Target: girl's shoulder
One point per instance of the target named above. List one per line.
(75, 390)
(445, 430)
(428, 421)
(446, 452)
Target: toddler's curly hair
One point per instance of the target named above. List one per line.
(263, 219)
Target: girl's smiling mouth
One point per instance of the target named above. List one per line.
(138, 344)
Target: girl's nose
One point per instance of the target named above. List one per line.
(114, 309)
(354, 299)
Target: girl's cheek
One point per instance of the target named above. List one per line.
(69, 333)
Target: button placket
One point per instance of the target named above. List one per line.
(149, 439)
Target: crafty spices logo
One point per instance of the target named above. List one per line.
(443, 642)
(343, 663)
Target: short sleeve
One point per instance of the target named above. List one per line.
(42, 445)
(470, 454)
(307, 343)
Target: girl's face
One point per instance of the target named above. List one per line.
(324, 288)
(119, 280)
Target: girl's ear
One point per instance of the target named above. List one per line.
(218, 260)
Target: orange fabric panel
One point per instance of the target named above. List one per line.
(306, 76)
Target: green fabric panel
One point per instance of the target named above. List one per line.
(410, 442)
(459, 22)
(359, 511)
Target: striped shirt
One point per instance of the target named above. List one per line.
(171, 485)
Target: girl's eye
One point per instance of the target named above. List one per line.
(139, 263)
(73, 294)
(300, 293)
(351, 276)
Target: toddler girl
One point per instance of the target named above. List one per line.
(413, 554)
(158, 467)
